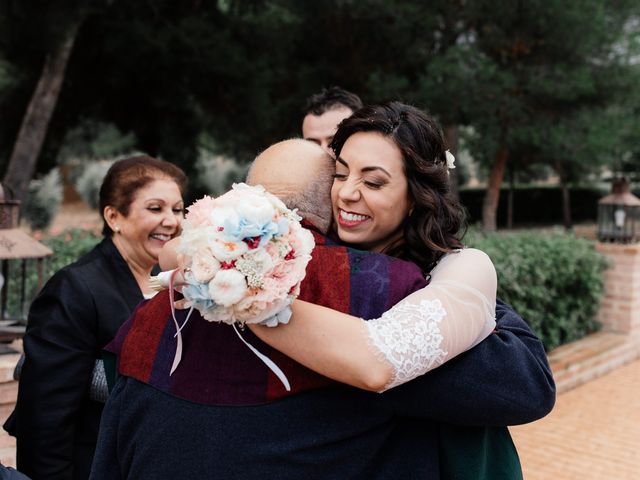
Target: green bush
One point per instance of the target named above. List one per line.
(216, 173)
(43, 200)
(553, 280)
(67, 248)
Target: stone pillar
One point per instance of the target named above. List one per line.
(620, 307)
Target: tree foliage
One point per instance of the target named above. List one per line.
(538, 82)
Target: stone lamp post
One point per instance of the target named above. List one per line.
(619, 214)
(619, 237)
(16, 247)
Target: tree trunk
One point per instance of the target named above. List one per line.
(451, 136)
(490, 203)
(512, 188)
(28, 145)
(566, 206)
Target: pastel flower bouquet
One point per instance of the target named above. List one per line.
(242, 256)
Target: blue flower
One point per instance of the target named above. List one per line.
(198, 294)
(248, 229)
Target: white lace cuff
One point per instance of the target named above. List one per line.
(408, 338)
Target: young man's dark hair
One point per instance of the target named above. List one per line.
(330, 98)
(324, 111)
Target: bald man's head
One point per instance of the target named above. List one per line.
(299, 172)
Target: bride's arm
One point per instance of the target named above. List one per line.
(452, 314)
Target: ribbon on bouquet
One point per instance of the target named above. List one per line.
(178, 335)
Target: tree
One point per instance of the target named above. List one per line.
(553, 60)
(22, 163)
(238, 72)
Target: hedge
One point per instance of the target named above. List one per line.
(553, 280)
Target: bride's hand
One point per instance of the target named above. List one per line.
(180, 304)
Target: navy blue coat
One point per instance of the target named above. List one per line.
(340, 432)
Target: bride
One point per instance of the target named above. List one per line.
(391, 195)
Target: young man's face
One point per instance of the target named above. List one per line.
(321, 128)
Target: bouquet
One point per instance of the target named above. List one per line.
(242, 256)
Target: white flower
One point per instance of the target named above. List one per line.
(243, 187)
(227, 250)
(254, 209)
(192, 238)
(306, 241)
(227, 287)
(225, 218)
(204, 266)
(276, 202)
(450, 159)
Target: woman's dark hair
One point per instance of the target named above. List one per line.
(436, 222)
(127, 176)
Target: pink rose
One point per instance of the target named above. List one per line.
(204, 266)
(199, 214)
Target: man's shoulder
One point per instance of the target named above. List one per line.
(142, 330)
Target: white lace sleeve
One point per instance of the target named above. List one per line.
(450, 315)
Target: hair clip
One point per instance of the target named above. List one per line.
(450, 159)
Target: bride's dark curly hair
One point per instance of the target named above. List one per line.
(436, 223)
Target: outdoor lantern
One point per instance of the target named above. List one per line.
(619, 214)
(16, 247)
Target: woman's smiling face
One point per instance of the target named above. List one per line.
(154, 218)
(370, 193)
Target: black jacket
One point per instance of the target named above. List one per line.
(77, 313)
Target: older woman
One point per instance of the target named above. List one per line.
(79, 311)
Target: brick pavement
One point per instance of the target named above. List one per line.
(593, 433)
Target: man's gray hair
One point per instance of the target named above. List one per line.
(314, 201)
(300, 173)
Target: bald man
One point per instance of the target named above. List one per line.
(222, 414)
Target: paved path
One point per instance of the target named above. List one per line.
(592, 433)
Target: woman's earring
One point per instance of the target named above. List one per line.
(117, 229)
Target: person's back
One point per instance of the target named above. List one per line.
(223, 402)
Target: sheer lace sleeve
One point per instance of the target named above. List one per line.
(450, 315)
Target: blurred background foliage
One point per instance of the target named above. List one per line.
(548, 82)
(525, 90)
